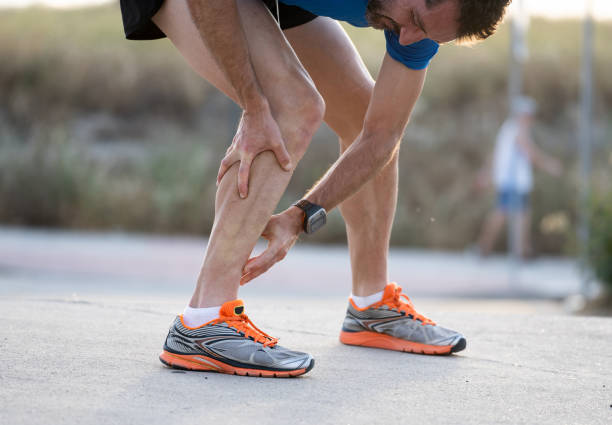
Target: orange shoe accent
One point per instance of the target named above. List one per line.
(393, 298)
(232, 313)
(388, 342)
(201, 363)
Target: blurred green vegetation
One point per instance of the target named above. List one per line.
(600, 247)
(100, 132)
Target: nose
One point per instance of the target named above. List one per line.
(409, 35)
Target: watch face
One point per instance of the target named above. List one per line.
(316, 221)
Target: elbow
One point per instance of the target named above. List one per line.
(383, 132)
(384, 142)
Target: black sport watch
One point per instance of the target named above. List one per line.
(316, 216)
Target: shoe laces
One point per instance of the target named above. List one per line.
(245, 326)
(401, 302)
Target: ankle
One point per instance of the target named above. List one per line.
(369, 288)
(206, 299)
(214, 292)
(196, 317)
(363, 302)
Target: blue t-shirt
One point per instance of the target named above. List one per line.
(414, 56)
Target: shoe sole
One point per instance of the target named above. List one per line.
(206, 364)
(388, 342)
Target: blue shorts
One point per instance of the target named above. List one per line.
(511, 200)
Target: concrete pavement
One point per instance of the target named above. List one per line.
(80, 331)
(172, 263)
(93, 360)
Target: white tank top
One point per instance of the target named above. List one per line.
(511, 168)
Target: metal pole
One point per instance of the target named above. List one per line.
(518, 56)
(515, 78)
(585, 139)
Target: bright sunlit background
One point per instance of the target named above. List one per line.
(547, 8)
(109, 151)
(98, 132)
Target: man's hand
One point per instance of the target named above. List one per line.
(282, 232)
(483, 179)
(219, 25)
(257, 132)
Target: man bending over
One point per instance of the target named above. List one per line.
(287, 78)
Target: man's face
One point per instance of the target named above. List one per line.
(413, 21)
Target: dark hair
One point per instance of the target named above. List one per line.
(478, 19)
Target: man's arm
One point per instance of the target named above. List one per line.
(536, 156)
(395, 94)
(221, 30)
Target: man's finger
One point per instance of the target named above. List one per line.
(262, 263)
(249, 261)
(252, 275)
(269, 228)
(259, 263)
(226, 163)
(282, 156)
(264, 259)
(243, 176)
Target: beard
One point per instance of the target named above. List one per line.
(374, 14)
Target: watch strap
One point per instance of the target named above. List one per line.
(304, 205)
(309, 210)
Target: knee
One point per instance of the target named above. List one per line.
(309, 119)
(349, 122)
(313, 113)
(306, 113)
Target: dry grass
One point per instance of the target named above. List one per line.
(98, 132)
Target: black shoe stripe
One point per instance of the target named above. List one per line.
(230, 361)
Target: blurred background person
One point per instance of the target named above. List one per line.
(510, 169)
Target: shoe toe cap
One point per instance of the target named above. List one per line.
(459, 344)
(291, 360)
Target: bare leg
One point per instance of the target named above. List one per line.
(525, 217)
(490, 231)
(298, 109)
(346, 86)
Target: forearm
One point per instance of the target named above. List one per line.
(359, 163)
(395, 94)
(391, 104)
(221, 30)
(536, 156)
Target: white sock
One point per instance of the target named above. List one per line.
(194, 317)
(363, 302)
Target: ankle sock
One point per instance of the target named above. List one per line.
(194, 317)
(363, 302)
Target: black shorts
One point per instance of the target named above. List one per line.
(138, 25)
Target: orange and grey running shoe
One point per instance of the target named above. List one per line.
(231, 344)
(393, 324)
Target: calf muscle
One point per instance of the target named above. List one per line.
(239, 222)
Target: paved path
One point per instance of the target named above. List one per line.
(83, 317)
(92, 360)
(172, 263)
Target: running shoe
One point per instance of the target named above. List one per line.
(231, 344)
(393, 324)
